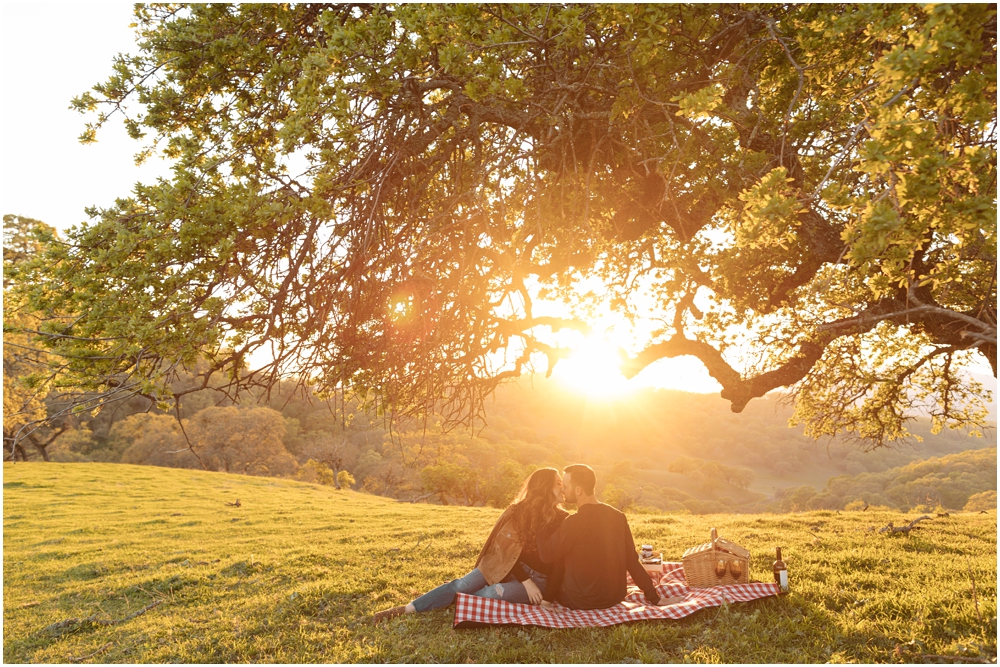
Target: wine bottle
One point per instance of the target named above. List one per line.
(780, 572)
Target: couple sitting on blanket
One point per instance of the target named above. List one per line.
(538, 553)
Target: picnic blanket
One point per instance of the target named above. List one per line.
(472, 611)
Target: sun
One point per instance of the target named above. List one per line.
(594, 369)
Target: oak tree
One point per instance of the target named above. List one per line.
(385, 197)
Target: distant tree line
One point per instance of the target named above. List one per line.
(967, 480)
(291, 434)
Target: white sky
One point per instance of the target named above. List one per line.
(50, 54)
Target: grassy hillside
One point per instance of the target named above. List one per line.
(293, 574)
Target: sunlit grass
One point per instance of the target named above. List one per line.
(295, 572)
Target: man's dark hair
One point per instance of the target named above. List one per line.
(583, 476)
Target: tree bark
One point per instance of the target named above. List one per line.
(336, 471)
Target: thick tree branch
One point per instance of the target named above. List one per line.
(740, 391)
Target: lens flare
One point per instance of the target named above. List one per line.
(594, 369)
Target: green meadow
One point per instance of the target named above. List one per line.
(294, 573)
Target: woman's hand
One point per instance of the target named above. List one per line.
(534, 592)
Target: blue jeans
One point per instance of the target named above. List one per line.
(474, 583)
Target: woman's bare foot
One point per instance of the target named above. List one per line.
(387, 614)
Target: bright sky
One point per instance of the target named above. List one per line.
(51, 54)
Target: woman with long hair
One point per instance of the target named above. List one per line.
(508, 567)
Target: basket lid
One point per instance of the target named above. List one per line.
(718, 544)
(731, 547)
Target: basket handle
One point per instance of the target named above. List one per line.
(715, 536)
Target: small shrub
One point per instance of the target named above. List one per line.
(345, 479)
(987, 500)
(315, 472)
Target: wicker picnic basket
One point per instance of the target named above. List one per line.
(703, 562)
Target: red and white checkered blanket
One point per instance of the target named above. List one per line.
(472, 611)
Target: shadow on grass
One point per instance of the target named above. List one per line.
(245, 568)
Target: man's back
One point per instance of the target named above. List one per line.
(597, 549)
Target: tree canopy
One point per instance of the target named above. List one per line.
(384, 197)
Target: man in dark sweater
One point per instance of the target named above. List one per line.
(596, 548)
